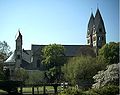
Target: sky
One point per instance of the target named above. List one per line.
(45, 22)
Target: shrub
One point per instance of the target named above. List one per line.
(71, 91)
(106, 90)
(80, 70)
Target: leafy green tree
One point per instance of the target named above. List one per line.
(21, 74)
(109, 76)
(53, 55)
(80, 70)
(110, 52)
(53, 58)
(4, 50)
(4, 54)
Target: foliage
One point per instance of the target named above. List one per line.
(21, 74)
(80, 70)
(35, 77)
(71, 91)
(109, 76)
(4, 50)
(110, 52)
(1, 72)
(53, 55)
(106, 90)
(53, 58)
(4, 54)
(6, 73)
(53, 74)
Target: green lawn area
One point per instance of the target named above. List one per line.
(29, 89)
(2, 91)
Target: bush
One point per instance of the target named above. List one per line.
(106, 90)
(80, 70)
(71, 91)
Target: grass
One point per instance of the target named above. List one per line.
(29, 89)
(2, 91)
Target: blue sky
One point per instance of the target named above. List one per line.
(55, 21)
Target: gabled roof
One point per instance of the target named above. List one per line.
(11, 59)
(26, 57)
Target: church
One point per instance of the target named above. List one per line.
(31, 59)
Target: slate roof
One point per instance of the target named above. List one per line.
(98, 20)
(90, 24)
(95, 21)
(26, 55)
(11, 59)
(70, 50)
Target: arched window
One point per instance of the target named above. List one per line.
(88, 41)
(98, 38)
(38, 63)
(100, 30)
(18, 56)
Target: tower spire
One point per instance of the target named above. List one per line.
(91, 11)
(97, 6)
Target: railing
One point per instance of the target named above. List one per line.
(12, 87)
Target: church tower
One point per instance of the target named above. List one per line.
(96, 34)
(90, 30)
(18, 51)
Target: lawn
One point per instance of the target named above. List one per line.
(40, 89)
(2, 92)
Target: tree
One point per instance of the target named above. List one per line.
(4, 50)
(109, 76)
(4, 54)
(53, 58)
(80, 70)
(21, 74)
(110, 52)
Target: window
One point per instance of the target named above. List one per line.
(94, 38)
(98, 38)
(88, 41)
(18, 56)
(100, 30)
(102, 38)
(38, 63)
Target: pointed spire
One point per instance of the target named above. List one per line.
(18, 29)
(98, 17)
(91, 11)
(90, 23)
(98, 14)
(18, 34)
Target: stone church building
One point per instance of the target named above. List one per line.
(31, 59)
